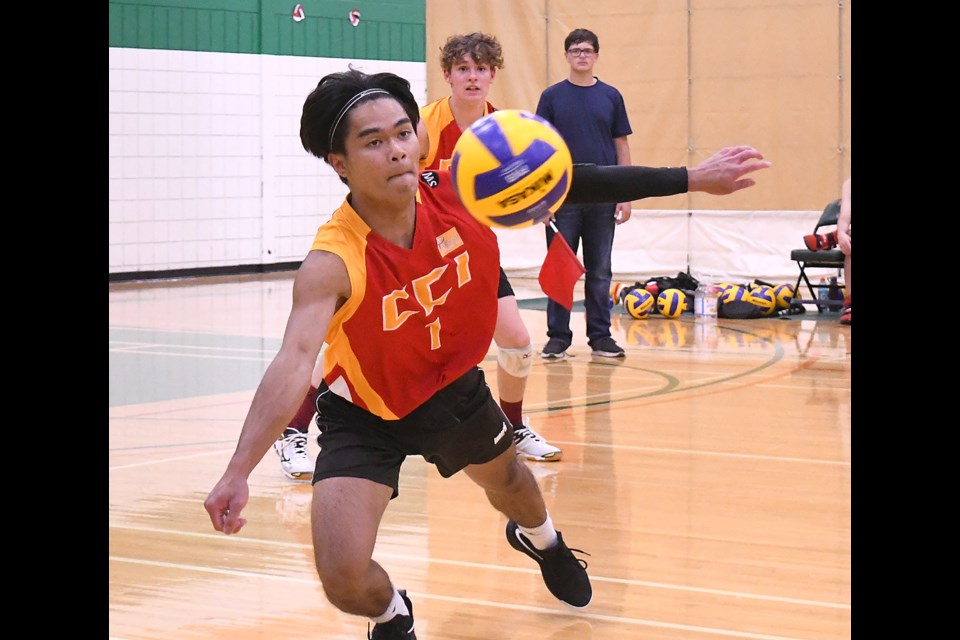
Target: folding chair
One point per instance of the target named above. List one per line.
(823, 259)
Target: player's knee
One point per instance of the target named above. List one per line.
(342, 582)
(511, 332)
(516, 362)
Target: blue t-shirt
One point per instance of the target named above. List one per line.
(588, 118)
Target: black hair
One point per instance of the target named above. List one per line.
(582, 35)
(322, 125)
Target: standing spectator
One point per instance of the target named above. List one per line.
(592, 118)
(470, 63)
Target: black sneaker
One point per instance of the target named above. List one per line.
(396, 628)
(565, 575)
(555, 349)
(608, 348)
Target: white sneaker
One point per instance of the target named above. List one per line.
(532, 446)
(294, 459)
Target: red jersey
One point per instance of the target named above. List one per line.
(443, 131)
(417, 318)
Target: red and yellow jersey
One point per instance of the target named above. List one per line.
(418, 318)
(443, 131)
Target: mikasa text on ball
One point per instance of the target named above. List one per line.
(511, 168)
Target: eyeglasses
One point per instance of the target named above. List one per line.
(577, 53)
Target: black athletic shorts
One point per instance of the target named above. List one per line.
(504, 289)
(459, 425)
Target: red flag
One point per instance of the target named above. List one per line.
(560, 272)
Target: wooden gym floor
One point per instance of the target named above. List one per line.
(707, 474)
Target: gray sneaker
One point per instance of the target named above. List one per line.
(555, 349)
(607, 347)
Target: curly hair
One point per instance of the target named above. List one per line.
(482, 47)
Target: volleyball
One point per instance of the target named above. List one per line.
(615, 289)
(638, 303)
(671, 302)
(784, 294)
(763, 297)
(734, 293)
(511, 168)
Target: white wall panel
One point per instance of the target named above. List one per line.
(742, 245)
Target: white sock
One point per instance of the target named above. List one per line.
(397, 607)
(542, 537)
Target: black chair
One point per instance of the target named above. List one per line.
(823, 259)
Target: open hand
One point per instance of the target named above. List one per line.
(722, 173)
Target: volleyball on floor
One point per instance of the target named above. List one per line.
(733, 293)
(511, 168)
(639, 303)
(784, 294)
(763, 297)
(615, 289)
(671, 302)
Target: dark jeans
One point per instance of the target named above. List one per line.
(594, 225)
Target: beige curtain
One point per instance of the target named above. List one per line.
(696, 75)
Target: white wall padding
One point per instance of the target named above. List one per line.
(726, 245)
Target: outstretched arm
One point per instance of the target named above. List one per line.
(320, 282)
(720, 174)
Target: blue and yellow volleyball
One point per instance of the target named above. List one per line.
(784, 294)
(638, 303)
(733, 293)
(671, 302)
(762, 296)
(511, 168)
